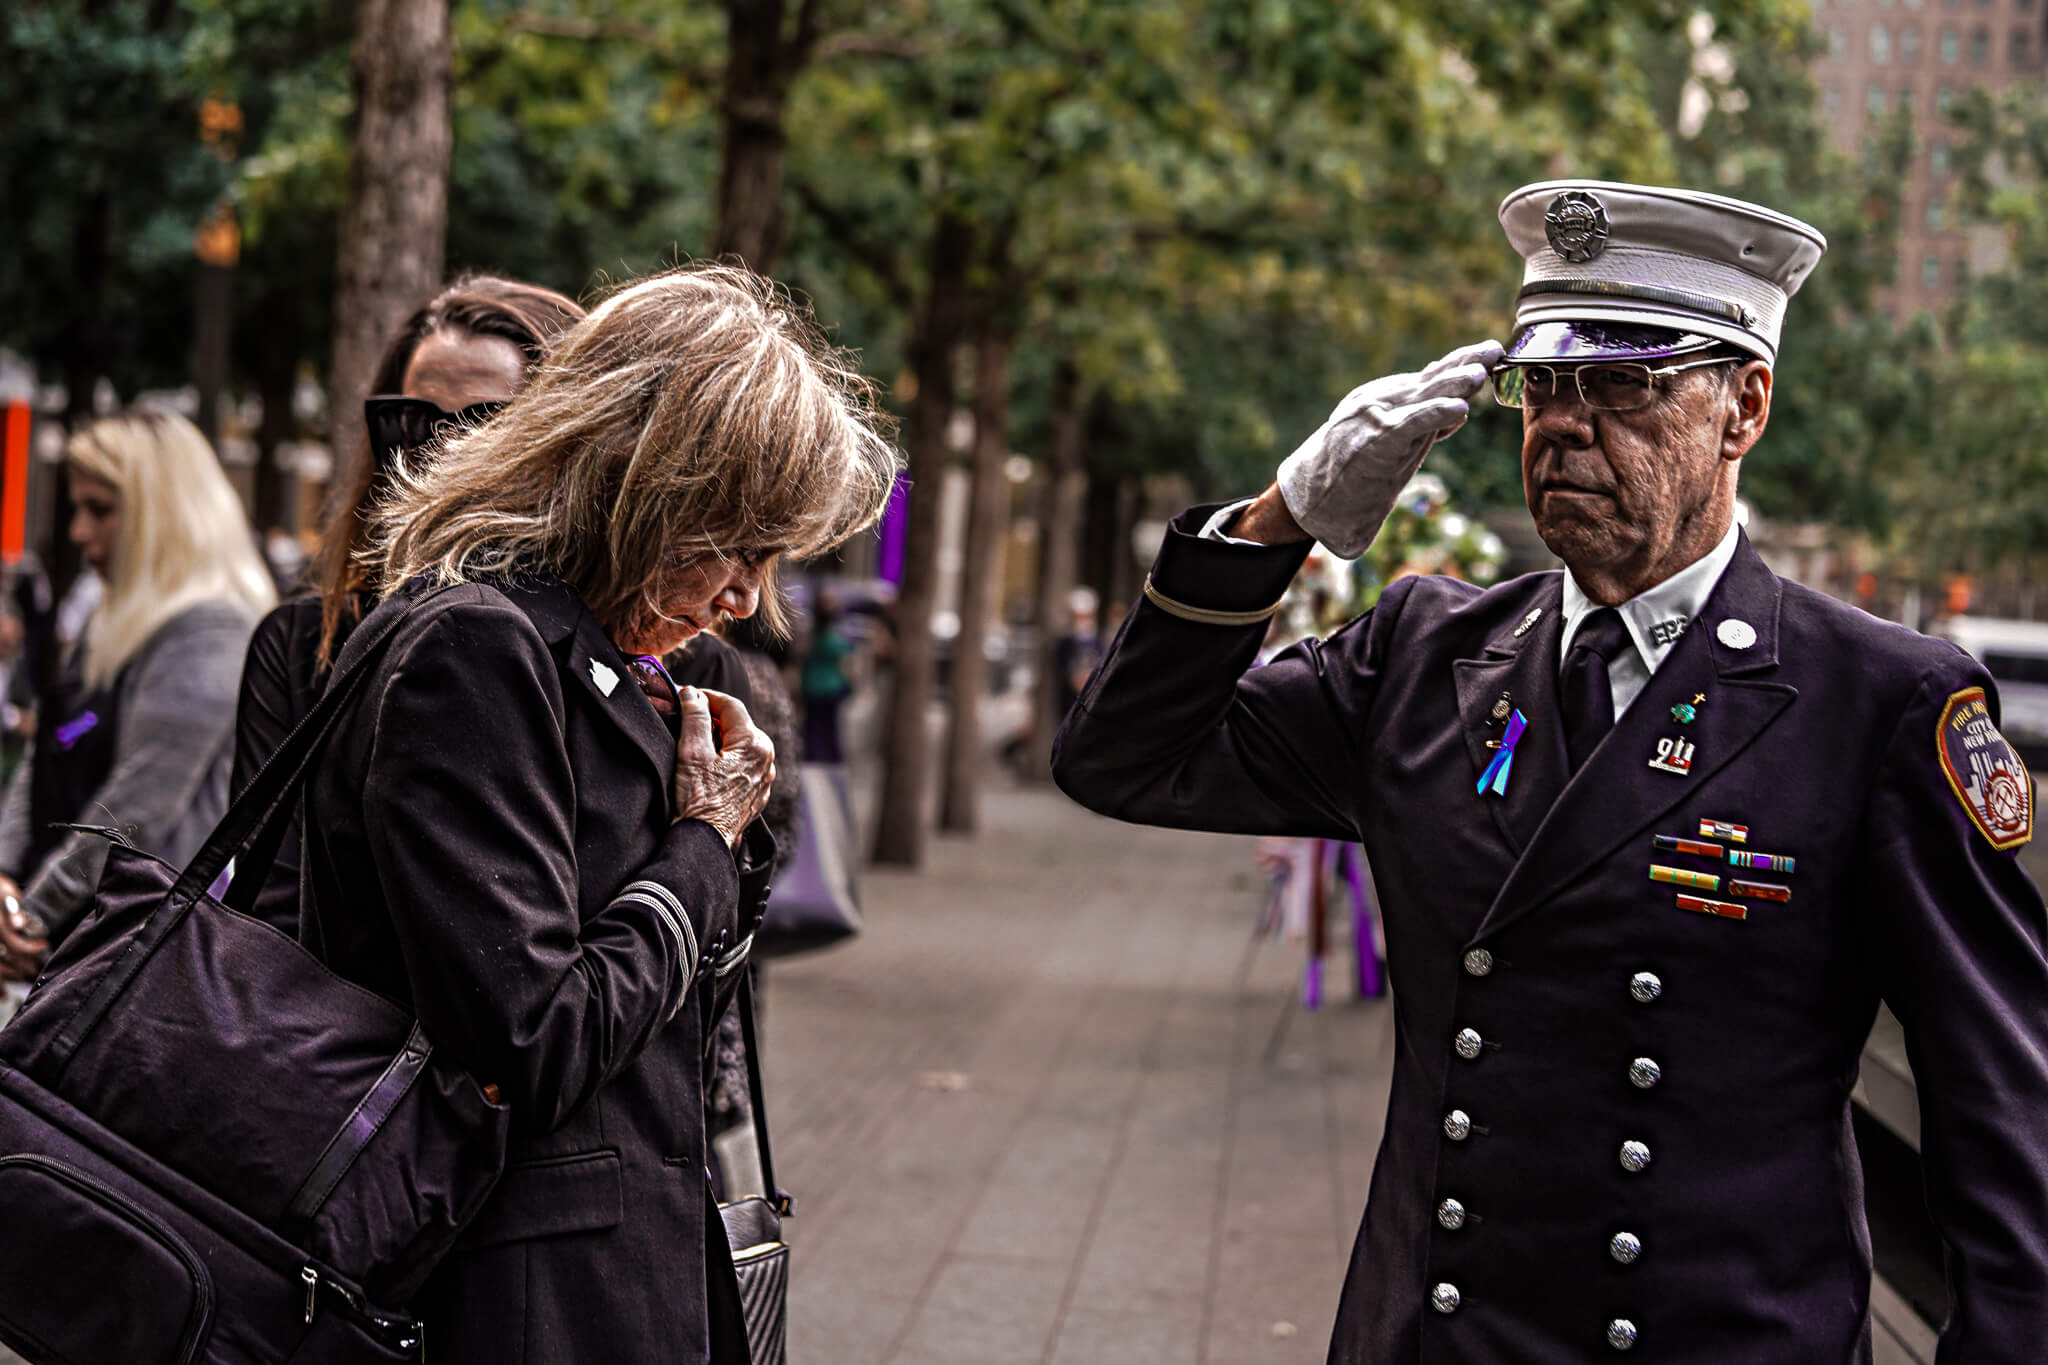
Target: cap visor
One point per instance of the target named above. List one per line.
(1572, 342)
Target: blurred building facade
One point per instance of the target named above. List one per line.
(1883, 56)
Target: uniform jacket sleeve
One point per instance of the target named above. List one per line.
(175, 710)
(1173, 730)
(1958, 947)
(469, 802)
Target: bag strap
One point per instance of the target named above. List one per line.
(360, 1126)
(267, 801)
(749, 1036)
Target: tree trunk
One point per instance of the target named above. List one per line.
(213, 312)
(758, 68)
(1059, 529)
(988, 516)
(394, 226)
(899, 825)
(277, 378)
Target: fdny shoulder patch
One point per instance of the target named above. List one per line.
(1984, 772)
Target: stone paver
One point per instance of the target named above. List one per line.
(1035, 1113)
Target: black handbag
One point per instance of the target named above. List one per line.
(256, 1159)
(816, 901)
(753, 1227)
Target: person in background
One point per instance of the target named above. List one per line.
(456, 360)
(525, 837)
(824, 680)
(136, 731)
(1076, 653)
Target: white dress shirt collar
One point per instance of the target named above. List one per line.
(1655, 618)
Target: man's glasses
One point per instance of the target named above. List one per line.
(1620, 386)
(399, 425)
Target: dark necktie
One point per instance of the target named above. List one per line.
(1588, 695)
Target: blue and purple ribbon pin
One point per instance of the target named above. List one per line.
(1495, 778)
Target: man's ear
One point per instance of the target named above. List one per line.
(1749, 409)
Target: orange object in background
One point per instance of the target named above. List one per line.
(1961, 587)
(14, 485)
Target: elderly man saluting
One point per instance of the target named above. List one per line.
(1654, 836)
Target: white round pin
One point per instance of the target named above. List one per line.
(1735, 634)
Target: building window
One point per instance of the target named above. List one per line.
(1962, 276)
(1934, 215)
(1880, 44)
(1930, 271)
(1944, 101)
(2022, 48)
(1873, 101)
(1951, 47)
(1937, 158)
(1838, 41)
(1915, 4)
(1906, 102)
(1909, 46)
(1830, 100)
(1980, 47)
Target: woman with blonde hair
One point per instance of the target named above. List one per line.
(526, 834)
(136, 734)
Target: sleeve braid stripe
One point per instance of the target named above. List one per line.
(1203, 615)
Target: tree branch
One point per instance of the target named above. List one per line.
(849, 44)
(885, 265)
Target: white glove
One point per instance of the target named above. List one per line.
(1341, 482)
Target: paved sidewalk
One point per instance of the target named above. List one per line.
(1055, 1107)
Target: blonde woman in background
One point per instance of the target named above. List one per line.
(136, 733)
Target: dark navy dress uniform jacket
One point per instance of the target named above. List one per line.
(469, 834)
(1820, 738)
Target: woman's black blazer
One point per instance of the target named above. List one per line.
(489, 841)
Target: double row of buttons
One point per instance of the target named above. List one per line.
(1643, 1073)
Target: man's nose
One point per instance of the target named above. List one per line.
(1565, 420)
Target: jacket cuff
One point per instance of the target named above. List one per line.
(1219, 575)
(694, 887)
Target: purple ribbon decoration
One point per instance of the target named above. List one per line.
(1495, 778)
(77, 728)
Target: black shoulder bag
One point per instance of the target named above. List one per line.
(212, 1148)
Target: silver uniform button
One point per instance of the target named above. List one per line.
(1478, 962)
(1457, 1125)
(1645, 987)
(1450, 1215)
(1621, 1334)
(1635, 1157)
(1469, 1043)
(1625, 1247)
(1644, 1073)
(1445, 1298)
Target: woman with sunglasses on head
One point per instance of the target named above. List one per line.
(521, 833)
(135, 732)
(452, 364)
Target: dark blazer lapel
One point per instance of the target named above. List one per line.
(577, 643)
(1525, 667)
(1617, 796)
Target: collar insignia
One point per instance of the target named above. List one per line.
(604, 677)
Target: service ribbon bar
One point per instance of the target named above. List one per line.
(1671, 843)
(1721, 829)
(1762, 862)
(1762, 891)
(1725, 909)
(1678, 876)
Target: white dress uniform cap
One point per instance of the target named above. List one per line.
(1596, 251)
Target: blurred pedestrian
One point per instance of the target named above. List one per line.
(825, 680)
(1078, 650)
(456, 360)
(137, 729)
(527, 838)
